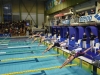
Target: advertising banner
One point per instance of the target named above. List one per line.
(51, 3)
(94, 17)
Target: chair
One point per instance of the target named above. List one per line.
(96, 47)
(59, 38)
(71, 44)
(79, 41)
(72, 38)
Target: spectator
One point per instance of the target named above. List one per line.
(84, 40)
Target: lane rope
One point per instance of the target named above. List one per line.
(23, 51)
(4, 39)
(4, 44)
(24, 46)
(31, 57)
(13, 52)
(19, 51)
(36, 70)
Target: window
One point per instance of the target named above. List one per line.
(7, 12)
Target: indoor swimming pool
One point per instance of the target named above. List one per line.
(16, 59)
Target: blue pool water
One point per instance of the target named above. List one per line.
(47, 61)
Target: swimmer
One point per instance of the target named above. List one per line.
(45, 38)
(75, 55)
(35, 34)
(35, 37)
(42, 38)
(61, 44)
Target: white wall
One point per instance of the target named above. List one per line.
(33, 15)
(40, 19)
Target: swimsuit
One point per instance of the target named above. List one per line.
(79, 54)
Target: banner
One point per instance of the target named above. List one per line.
(52, 3)
(66, 22)
(56, 2)
(94, 17)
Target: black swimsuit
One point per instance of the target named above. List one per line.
(56, 44)
(79, 54)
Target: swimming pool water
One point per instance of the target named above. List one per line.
(36, 63)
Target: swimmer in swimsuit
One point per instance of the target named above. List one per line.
(56, 44)
(75, 55)
(35, 36)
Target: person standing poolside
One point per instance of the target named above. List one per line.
(92, 40)
(84, 40)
